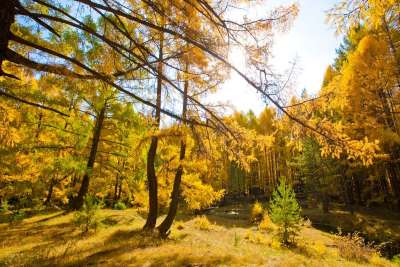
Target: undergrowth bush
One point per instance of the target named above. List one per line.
(202, 223)
(314, 249)
(4, 207)
(88, 217)
(257, 238)
(17, 216)
(396, 259)
(352, 247)
(266, 224)
(257, 212)
(119, 205)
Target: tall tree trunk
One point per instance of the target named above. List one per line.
(49, 193)
(358, 189)
(116, 186)
(7, 14)
(394, 182)
(151, 155)
(119, 189)
(164, 227)
(325, 202)
(78, 201)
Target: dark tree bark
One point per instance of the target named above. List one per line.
(358, 188)
(53, 182)
(49, 193)
(164, 227)
(119, 189)
(77, 202)
(151, 155)
(394, 182)
(325, 202)
(7, 14)
(116, 186)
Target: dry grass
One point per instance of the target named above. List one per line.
(353, 247)
(53, 240)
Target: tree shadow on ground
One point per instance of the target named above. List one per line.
(186, 260)
(119, 243)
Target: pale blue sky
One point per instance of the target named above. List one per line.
(310, 40)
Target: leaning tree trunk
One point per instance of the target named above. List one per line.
(77, 202)
(151, 155)
(164, 227)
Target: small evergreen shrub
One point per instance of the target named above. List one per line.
(257, 212)
(285, 212)
(119, 205)
(88, 217)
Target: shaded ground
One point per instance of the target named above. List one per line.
(230, 240)
(380, 226)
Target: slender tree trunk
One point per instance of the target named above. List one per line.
(49, 193)
(325, 202)
(151, 155)
(39, 126)
(173, 206)
(346, 186)
(78, 201)
(116, 188)
(395, 183)
(392, 47)
(358, 190)
(119, 190)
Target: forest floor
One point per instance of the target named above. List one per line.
(51, 239)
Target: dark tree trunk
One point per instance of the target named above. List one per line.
(164, 227)
(151, 155)
(7, 14)
(152, 186)
(119, 189)
(173, 206)
(345, 182)
(325, 202)
(49, 193)
(350, 195)
(394, 183)
(358, 190)
(77, 202)
(39, 126)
